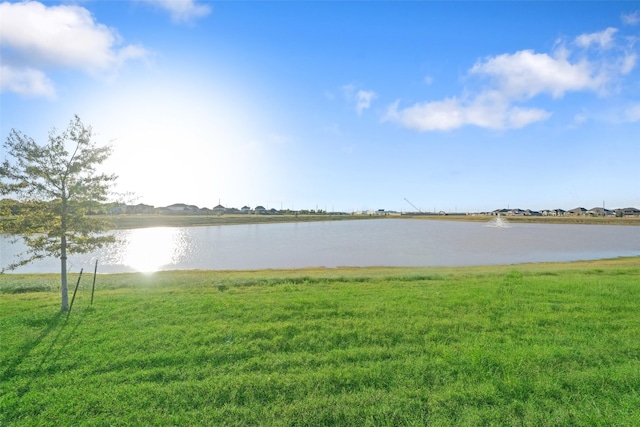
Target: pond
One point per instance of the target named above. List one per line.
(384, 242)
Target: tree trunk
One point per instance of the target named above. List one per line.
(63, 273)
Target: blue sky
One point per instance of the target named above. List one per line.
(467, 106)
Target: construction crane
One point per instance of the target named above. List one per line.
(414, 206)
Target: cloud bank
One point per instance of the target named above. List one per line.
(510, 80)
(36, 38)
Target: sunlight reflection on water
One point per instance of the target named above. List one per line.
(149, 249)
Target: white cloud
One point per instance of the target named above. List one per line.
(517, 117)
(512, 79)
(182, 10)
(580, 118)
(428, 116)
(360, 98)
(603, 39)
(631, 18)
(632, 114)
(36, 37)
(25, 82)
(363, 100)
(453, 113)
(526, 74)
(628, 63)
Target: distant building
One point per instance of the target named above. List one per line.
(180, 209)
(138, 209)
(628, 212)
(219, 210)
(498, 212)
(576, 212)
(599, 212)
(553, 212)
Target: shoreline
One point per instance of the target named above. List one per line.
(135, 221)
(123, 222)
(11, 278)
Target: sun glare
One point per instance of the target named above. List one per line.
(170, 144)
(151, 249)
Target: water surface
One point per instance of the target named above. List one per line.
(385, 242)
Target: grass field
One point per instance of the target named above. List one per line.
(534, 344)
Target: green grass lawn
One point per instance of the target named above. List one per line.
(540, 344)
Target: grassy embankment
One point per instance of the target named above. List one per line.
(139, 221)
(156, 220)
(142, 221)
(594, 220)
(539, 344)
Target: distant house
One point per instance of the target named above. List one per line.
(499, 212)
(576, 212)
(133, 209)
(141, 208)
(178, 207)
(599, 212)
(219, 210)
(513, 212)
(181, 208)
(245, 209)
(628, 212)
(260, 210)
(553, 212)
(516, 212)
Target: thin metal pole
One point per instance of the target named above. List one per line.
(93, 288)
(74, 293)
